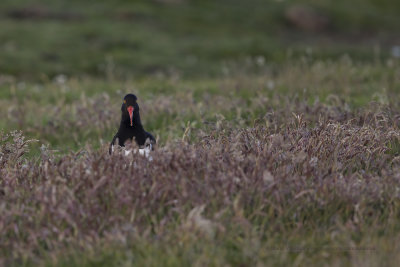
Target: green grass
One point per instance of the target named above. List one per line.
(68, 115)
(193, 39)
(203, 68)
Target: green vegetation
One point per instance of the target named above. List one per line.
(278, 142)
(192, 38)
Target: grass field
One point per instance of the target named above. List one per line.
(277, 144)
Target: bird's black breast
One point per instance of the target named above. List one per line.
(131, 133)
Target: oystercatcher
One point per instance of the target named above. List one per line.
(131, 128)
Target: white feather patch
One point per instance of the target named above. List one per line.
(141, 151)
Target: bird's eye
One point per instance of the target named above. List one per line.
(124, 101)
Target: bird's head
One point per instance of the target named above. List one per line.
(129, 107)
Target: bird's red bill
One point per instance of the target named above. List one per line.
(130, 110)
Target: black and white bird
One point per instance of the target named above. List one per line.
(131, 128)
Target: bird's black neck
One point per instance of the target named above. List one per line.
(136, 131)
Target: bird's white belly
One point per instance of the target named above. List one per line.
(141, 151)
(134, 151)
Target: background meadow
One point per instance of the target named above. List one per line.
(277, 125)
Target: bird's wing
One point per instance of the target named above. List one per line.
(151, 137)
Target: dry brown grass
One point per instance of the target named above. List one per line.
(321, 169)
